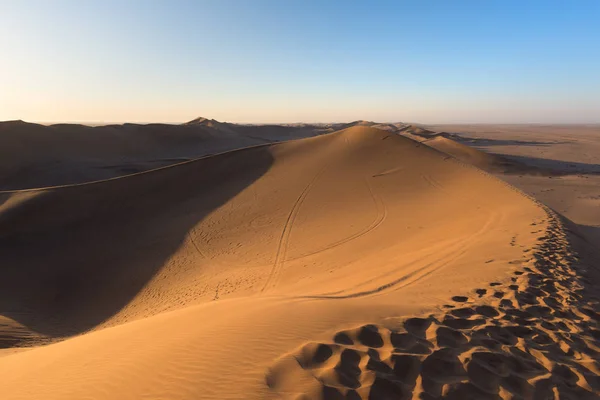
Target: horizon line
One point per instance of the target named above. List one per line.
(106, 123)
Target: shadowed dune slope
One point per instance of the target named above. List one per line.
(207, 276)
(33, 155)
(73, 256)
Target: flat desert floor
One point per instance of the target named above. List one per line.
(357, 261)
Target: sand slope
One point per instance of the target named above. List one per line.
(488, 162)
(562, 164)
(211, 279)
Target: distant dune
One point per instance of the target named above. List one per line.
(33, 155)
(353, 264)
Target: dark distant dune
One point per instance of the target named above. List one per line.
(34, 155)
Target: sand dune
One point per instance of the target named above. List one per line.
(34, 155)
(488, 162)
(290, 269)
(562, 164)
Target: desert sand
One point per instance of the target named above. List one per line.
(567, 160)
(357, 261)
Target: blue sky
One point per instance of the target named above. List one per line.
(289, 61)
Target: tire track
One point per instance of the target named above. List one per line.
(455, 252)
(432, 182)
(285, 234)
(287, 229)
(379, 219)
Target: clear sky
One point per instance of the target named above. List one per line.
(289, 61)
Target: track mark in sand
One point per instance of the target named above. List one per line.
(388, 172)
(433, 182)
(543, 344)
(196, 246)
(379, 219)
(285, 234)
(443, 258)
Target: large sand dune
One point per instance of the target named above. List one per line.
(357, 263)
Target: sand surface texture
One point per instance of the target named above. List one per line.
(354, 264)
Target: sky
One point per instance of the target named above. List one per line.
(300, 61)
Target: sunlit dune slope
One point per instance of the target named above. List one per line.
(255, 252)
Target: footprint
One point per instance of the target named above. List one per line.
(460, 299)
(417, 326)
(539, 311)
(506, 303)
(406, 369)
(463, 312)
(343, 338)
(441, 367)
(402, 340)
(517, 386)
(379, 366)
(314, 354)
(487, 311)
(524, 364)
(369, 336)
(524, 298)
(419, 348)
(483, 378)
(347, 370)
(448, 337)
(493, 362)
(387, 389)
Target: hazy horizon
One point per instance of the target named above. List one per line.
(104, 123)
(300, 61)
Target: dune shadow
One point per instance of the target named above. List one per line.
(72, 257)
(555, 167)
(590, 234)
(477, 141)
